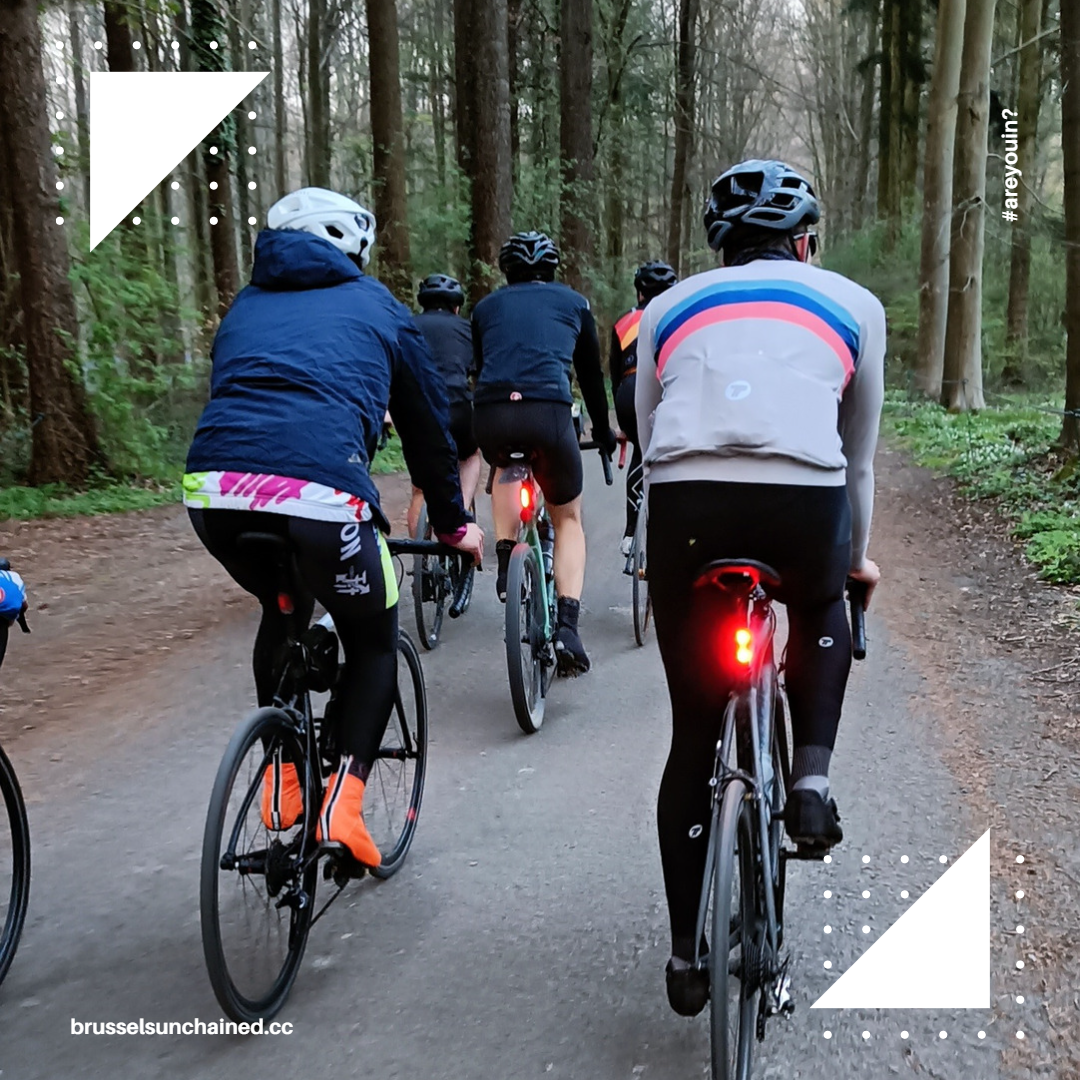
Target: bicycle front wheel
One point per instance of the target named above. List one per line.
(14, 860)
(395, 784)
(430, 587)
(734, 957)
(258, 885)
(642, 602)
(525, 638)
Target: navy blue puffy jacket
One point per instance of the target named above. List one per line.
(305, 364)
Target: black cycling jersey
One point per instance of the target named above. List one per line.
(449, 337)
(525, 338)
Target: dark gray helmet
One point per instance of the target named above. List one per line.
(529, 255)
(440, 290)
(653, 278)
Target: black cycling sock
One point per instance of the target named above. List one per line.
(569, 610)
(810, 769)
(503, 548)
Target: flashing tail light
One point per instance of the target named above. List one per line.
(526, 501)
(744, 651)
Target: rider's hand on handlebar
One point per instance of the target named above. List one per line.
(607, 439)
(869, 574)
(472, 543)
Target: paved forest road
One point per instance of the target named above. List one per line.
(526, 936)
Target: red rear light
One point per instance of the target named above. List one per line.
(744, 651)
(526, 502)
(284, 603)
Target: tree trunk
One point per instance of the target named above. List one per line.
(238, 29)
(82, 117)
(492, 182)
(962, 384)
(866, 123)
(1070, 139)
(1023, 149)
(388, 148)
(218, 147)
(118, 52)
(464, 85)
(513, 25)
(937, 197)
(281, 176)
(319, 95)
(64, 444)
(885, 94)
(575, 138)
(911, 42)
(684, 126)
(438, 91)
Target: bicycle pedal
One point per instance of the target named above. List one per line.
(805, 853)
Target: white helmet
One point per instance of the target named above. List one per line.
(337, 218)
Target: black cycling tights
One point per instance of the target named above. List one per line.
(627, 417)
(340, 564)
(805, 534)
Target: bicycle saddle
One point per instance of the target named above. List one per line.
(740, 575)
(253, 539)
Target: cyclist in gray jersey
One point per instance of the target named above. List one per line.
(758, 397)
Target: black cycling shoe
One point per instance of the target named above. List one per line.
(570, 656)
(687, 987)
(812, 823)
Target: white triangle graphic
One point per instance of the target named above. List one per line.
(143, 123)
(936, 955)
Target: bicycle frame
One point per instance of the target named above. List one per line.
(757, 691)
(531, 499)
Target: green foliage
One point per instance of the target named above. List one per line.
(1005, 454)
(389, 459)
(58, 500)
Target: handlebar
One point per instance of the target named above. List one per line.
(605, 457)
(407, 546)
(856, 591)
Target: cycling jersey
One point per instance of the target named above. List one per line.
(771, 372)
(527, 335)
(305, 363)
(449, 337)
(622, 359)
(12, 596)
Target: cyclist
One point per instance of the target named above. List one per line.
(305, 363)
(758, 399)
(449, 338)
(526, 337)
(12, 602)
(651, 279)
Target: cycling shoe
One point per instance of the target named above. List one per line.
(570, 655)
(687, 986)
(812, 823)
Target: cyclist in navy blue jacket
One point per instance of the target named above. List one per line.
(305, 364)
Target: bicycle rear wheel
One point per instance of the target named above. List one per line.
(395, 785)
(430, 587)
(525, 638)
(14, 860)
(733, 961)
(642, 601)
(258, 886)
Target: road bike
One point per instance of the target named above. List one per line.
(438, 580)
(14, 841)
(638, 566)
(531, 603)
(742, 897)
(257, 894)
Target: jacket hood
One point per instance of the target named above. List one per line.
(290, 260)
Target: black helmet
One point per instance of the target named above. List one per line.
(440, 290)
(653, 278)
(529, 255)
(758, 195)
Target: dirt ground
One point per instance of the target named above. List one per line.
(998, 651)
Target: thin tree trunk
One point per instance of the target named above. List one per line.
(937, 197)
(1027, 108)
(911, 41)
(513, 25)
(82, 118)
(281, 179)
(684, 126)
(492, 182)
(464, 85)
(218, 147)
(64, 444)
(1070, 139)
(575, 138)
(437, 86)
(118, 51)
(866, 122)
(962, 388)
(885, 94)
(388, 147)
(319, 96)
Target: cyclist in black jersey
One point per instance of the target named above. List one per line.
(526, 337)
(651, 279)
(449, 338)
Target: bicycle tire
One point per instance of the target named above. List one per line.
(19, 897)
(734, 842)
(642, 600)
(524, 639)
(267, 727)
(781, 786)
(433, 569)
(401, 737)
